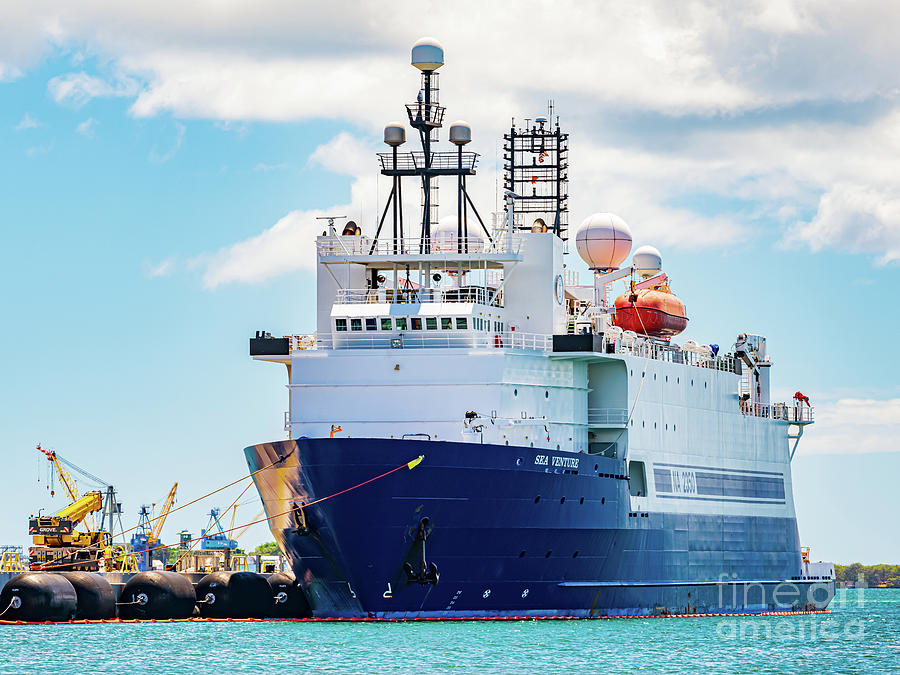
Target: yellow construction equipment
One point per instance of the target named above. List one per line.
(156, 530)
(57, 542)
(59, 529)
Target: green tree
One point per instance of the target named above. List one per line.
(269, 548)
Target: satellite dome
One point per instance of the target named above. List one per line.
(460, 132)
(394, 134)
(647, 262)
(603, 241)
(445, 237)
(427, 54)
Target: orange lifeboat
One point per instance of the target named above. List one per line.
(655, 311)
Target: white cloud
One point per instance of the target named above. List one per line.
(27, 122)
(161, 269)
(854, 425)
(855, 218)
(76, 89)
(762, 91)
(87, 127)
(158, 157)
(288, 245)
(262, 166)
(285, 247)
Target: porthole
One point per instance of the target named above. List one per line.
(537, 499)
(602, 500)
(515, 392)
(507, 442)
(546, 394)
(548, 554)
(562, 500)
(519, 462)
(522, 554)
(596, 466)
(575, 555)
(581, 501)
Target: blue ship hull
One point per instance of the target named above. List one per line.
(510, 535)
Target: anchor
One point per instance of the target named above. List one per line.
(428, 572)
(301, 527)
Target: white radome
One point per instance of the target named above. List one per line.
(444, 237)
(427, 54)
(603, 241)
(647, 262)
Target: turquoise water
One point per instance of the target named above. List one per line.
(862, 634)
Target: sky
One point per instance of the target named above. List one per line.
(163, 163)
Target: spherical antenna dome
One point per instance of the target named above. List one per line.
(603, 241)
(394, 134)
(647, 262)
(460, 132)
(427, 54)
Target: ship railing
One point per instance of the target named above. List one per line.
(607, 417)
(366, 296)
(798, 413)
(442, 243)
(466, 339)
(300, 342)
(673, 354)
(415, 161)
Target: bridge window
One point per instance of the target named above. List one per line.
(415, 322)
(446, 324)
(461, 323)
(340, 325)
(431, 322)
(371, 324)
(355, 324)
(400, 323)
(385, 324)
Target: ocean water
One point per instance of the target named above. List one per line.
(862, 634)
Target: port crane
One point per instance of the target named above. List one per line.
(55, 537)
(147, 536)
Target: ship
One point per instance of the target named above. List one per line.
(472, 433)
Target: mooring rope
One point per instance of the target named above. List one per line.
(411, 464)
(94, 547)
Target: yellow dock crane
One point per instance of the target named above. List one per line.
(56, 539)
(156, 530)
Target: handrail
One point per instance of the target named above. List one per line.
(467, 339)
(607, 416)
(441, 243)
(366, 296)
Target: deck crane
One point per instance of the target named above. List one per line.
(146, 536)
(55, 537)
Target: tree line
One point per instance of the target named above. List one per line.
(872, 575)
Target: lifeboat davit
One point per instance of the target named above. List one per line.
(656, 312)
